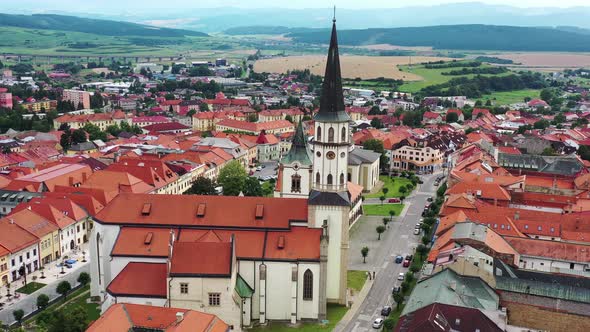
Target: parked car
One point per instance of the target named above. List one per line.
(378, 323)
(394, 200)
(430, 199)
(399, 259)
(396, 289)
(406, 263)
(417, 231)
(409, 257)
(418, 225)
(424, 213)
(401, 276)
(259, 168)
(386, 311)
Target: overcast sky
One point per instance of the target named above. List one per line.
(110, 5)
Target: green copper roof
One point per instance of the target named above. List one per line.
(553, 290)
(332, 107)
(298, 151)
(448, 287)
(242, 288)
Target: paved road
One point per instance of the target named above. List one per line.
(29, 302)
(399, 239)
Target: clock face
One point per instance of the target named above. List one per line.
(331, 155)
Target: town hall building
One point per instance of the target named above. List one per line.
(247, 260)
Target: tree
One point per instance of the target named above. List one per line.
(289, 118)
(63, 288)
(398, 297)
(76, 320)
(380, 229)
(202, 186)
(385, 222)
(42, 301)
(389, 324)
(385, 190)
(252, 117)
(584, 152)
(94, 132)
(252, 187)
(376, 123)
(405, 286)
(452, 117)
(421, 250)
(382, 198)
(203, 107)
(409, 277)
(232, 178)
(191, 113)
(84, 278)
(425, 240)
(65, 140)
(541, 124)
(79, 136)
(365, 253)
(403, 190)
(391, 214)
(18, 315)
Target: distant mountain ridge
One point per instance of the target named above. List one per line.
(459, 37)
(88, 25)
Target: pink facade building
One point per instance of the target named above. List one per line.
(77, 97)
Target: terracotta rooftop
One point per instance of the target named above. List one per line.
(13, 237)
(142, 242)
(140, 279)
(563, 251)
(145, 209)
(125, 317)
(213, 259)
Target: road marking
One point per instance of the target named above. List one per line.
(405, 236)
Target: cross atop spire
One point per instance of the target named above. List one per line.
(334, 19)
(332, 99)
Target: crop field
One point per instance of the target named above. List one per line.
(549, 60)
(511, 97)
(432, 76)
(352, 66)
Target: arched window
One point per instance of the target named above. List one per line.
(98, 255)
(343, 139)
(317, 177)
(349, 177)
(330, 180)
(308, 285)
(296, 183)
(318, 134)
(331, 135)
(341, 178)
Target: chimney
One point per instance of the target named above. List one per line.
(516, 215)
(179, 317)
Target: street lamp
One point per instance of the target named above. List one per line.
(62, 269)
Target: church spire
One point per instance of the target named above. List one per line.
(298, 151)
(332, 99)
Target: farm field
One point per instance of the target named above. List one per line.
(511, 97)
(432, 76)
(551, 60)
(352, 66)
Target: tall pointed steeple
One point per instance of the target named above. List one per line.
(332, 107)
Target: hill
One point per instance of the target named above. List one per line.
(264, 30)
(93, 26)
(460, 37)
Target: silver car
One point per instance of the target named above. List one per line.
(378, 323)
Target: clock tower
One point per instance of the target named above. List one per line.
(329, 202)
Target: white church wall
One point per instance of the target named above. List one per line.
(278, 290)
(308, 309)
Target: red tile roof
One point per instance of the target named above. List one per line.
(255, 126)
(13, 237)
(213, 259)
(481, 189)
(140, 280)
(181, 210)
(563, 251)
(142, 242)
(124, 317)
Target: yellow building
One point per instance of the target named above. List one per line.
(4, 258)
(46, 231)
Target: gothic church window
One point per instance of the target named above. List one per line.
(308, 285)
(317, 177)
(331, 135)
(319, 133)
(343, 139)
(341, 178)
(330, 179)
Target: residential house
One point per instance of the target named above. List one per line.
(363, 168)
(23, 247)
(255, 128)
(72, 175)
(46, 232)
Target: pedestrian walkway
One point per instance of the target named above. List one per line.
(357, 302)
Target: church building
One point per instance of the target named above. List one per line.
(247, 260)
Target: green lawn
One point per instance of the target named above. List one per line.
(30, 288)
(433, 76)
(510, 97)
(335, 314)
(382, 210)
(356, 279)
(92, 309)
(393, 184)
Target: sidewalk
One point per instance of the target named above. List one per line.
(52, 277)
(358, 300)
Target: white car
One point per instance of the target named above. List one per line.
(417, 231)
(401, 276)
(259, 168)
(377, 323)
